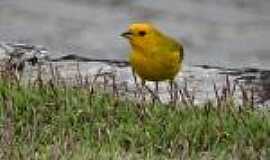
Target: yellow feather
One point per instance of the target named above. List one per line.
(154, 56)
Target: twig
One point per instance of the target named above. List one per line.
(117, 62)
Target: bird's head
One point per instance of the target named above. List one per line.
(141, 34)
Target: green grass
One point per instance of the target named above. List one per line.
(51, 122)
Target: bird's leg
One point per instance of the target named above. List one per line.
(156, 87)
(143, 82)
(171, 91)
(154, 94)
(142, 90)
(171, 88)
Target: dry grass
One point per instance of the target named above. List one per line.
(95, 118)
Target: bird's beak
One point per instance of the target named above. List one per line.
(126, 34)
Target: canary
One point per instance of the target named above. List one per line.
(154, 55)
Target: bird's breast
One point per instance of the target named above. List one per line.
(156, 66)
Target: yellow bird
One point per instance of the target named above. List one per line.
(154, 56)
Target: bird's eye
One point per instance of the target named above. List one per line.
(142, 33)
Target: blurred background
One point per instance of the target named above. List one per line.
(231, 33)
